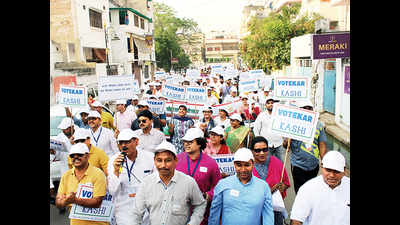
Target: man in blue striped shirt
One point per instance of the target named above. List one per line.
(242, 199)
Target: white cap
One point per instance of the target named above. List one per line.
(334, 160)
(96, 104)
(135, 97)
(143, 103)
(84, 110)
(233, 89)
(120, 102)
(236, 116)
(218, 130)
(243, 154)
(242, 95)
(79, 148)
(166, 146)
(305, 102)
(206, 108)
(266, 89)
(65, 123)
(81, 134)
(192, 134)
(126, 135)
(93, 113)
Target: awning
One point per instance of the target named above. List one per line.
(143, 50)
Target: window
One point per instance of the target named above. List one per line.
(130, 47)
(142, 23)
(95, 19)
(136, 20)
(217, 49)
(122, 17)
(209, 49)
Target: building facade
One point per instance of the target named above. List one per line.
(222, 48)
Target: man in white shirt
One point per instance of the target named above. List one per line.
(100, 136)
(211, 99)
(324, 199)
(126, 173)
(149, 138)
(123, 118)
(261, 128)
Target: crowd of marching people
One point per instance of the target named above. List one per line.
(159, 168)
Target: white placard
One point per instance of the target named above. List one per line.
(136, 88)
(116, 87)
(159, 75)
(230, 73)
(294, 122)
(173, 92)
(293, 88)
(193, 74)
(216, 69)
(225, 163)
(244, 76)
(248, 85)
(156, 106)
(57, 145)
(72, 96)
(103, 213)
(196, 94)
(257, 74)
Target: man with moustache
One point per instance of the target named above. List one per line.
(81, 173)
(261, 128)
(242, 199)
(169, 195)
(126, 174)
(100, 136)
(149, 137)
(324, 199)
(200, 166)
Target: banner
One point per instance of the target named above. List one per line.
(72, 96)
(103, 213)
(172, 108)
(292, 88)
(156, 106)
(116, 87)
(327, 46)
(225, 163)
(174, 92)
(244, 76)
(230, 73)
(216, 69)
(57, 145)
(159, 75)
(248, 85)
(256, 74)
(294, 123)
(193, 74)
(196, 94)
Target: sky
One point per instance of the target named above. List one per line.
(210, 14)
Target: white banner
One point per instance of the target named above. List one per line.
(230, 73)
(216, 69)
(291, 88)
(248, 85)
(174, 92)
(159, 75)
(116, 87)
(72, 96)
(244, 76)
(294, 122)
(193, 74)
(256, 74)
(196, 94)
(225, 163)
(156, 106)
(57, 145)
(103, 213)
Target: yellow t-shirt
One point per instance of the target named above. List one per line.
(97, 158)
(107, 120)
(69, 183)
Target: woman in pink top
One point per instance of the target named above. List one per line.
(216, 144)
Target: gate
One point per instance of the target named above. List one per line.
(330, 86)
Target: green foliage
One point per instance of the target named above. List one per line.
(268, 45)
(166, 27)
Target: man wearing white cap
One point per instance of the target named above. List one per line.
(82, 122)
(126, 174)
(242, 198)
(324, 199)
(169, 195)
(100, 136)
(123, 118)
(262, 127)
(304, 157)
(232, 95)
(97, 157)
(133, 105)
(106, 118)
(81, 173)
(68, 128)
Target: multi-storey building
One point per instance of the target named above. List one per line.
(194, 47)
(221, 48)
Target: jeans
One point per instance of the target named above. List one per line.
(278, 218)
(278, 152)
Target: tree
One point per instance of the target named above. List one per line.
(168, 31)
(268, 45)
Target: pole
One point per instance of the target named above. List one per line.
(106, 39)
(284, 163)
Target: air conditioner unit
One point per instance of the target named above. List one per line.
(321, 26)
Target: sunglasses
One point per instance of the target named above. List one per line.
(142, 121)
(261, 149)
(76, 154)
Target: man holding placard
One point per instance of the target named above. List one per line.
(304, 157)
(81, 174)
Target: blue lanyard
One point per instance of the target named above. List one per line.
(197, 164)
(129, 170)
(98, 137)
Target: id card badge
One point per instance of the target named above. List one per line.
(234, 193)
(131, 189)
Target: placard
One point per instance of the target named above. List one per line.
(116, 87)
(225, 163)
(58, 145)
(293, 122)
(292, 88)
(248, 85)
(72, 96)
(136, 88)
(103, 213)
(196, 94)
(257, 74)
(159, 75)
(174, 92)
(156, 106)
(216, 69)
(193, 74)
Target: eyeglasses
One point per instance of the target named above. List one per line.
(142, 121)
(79, 141)
(261, 149)
(76, 154)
